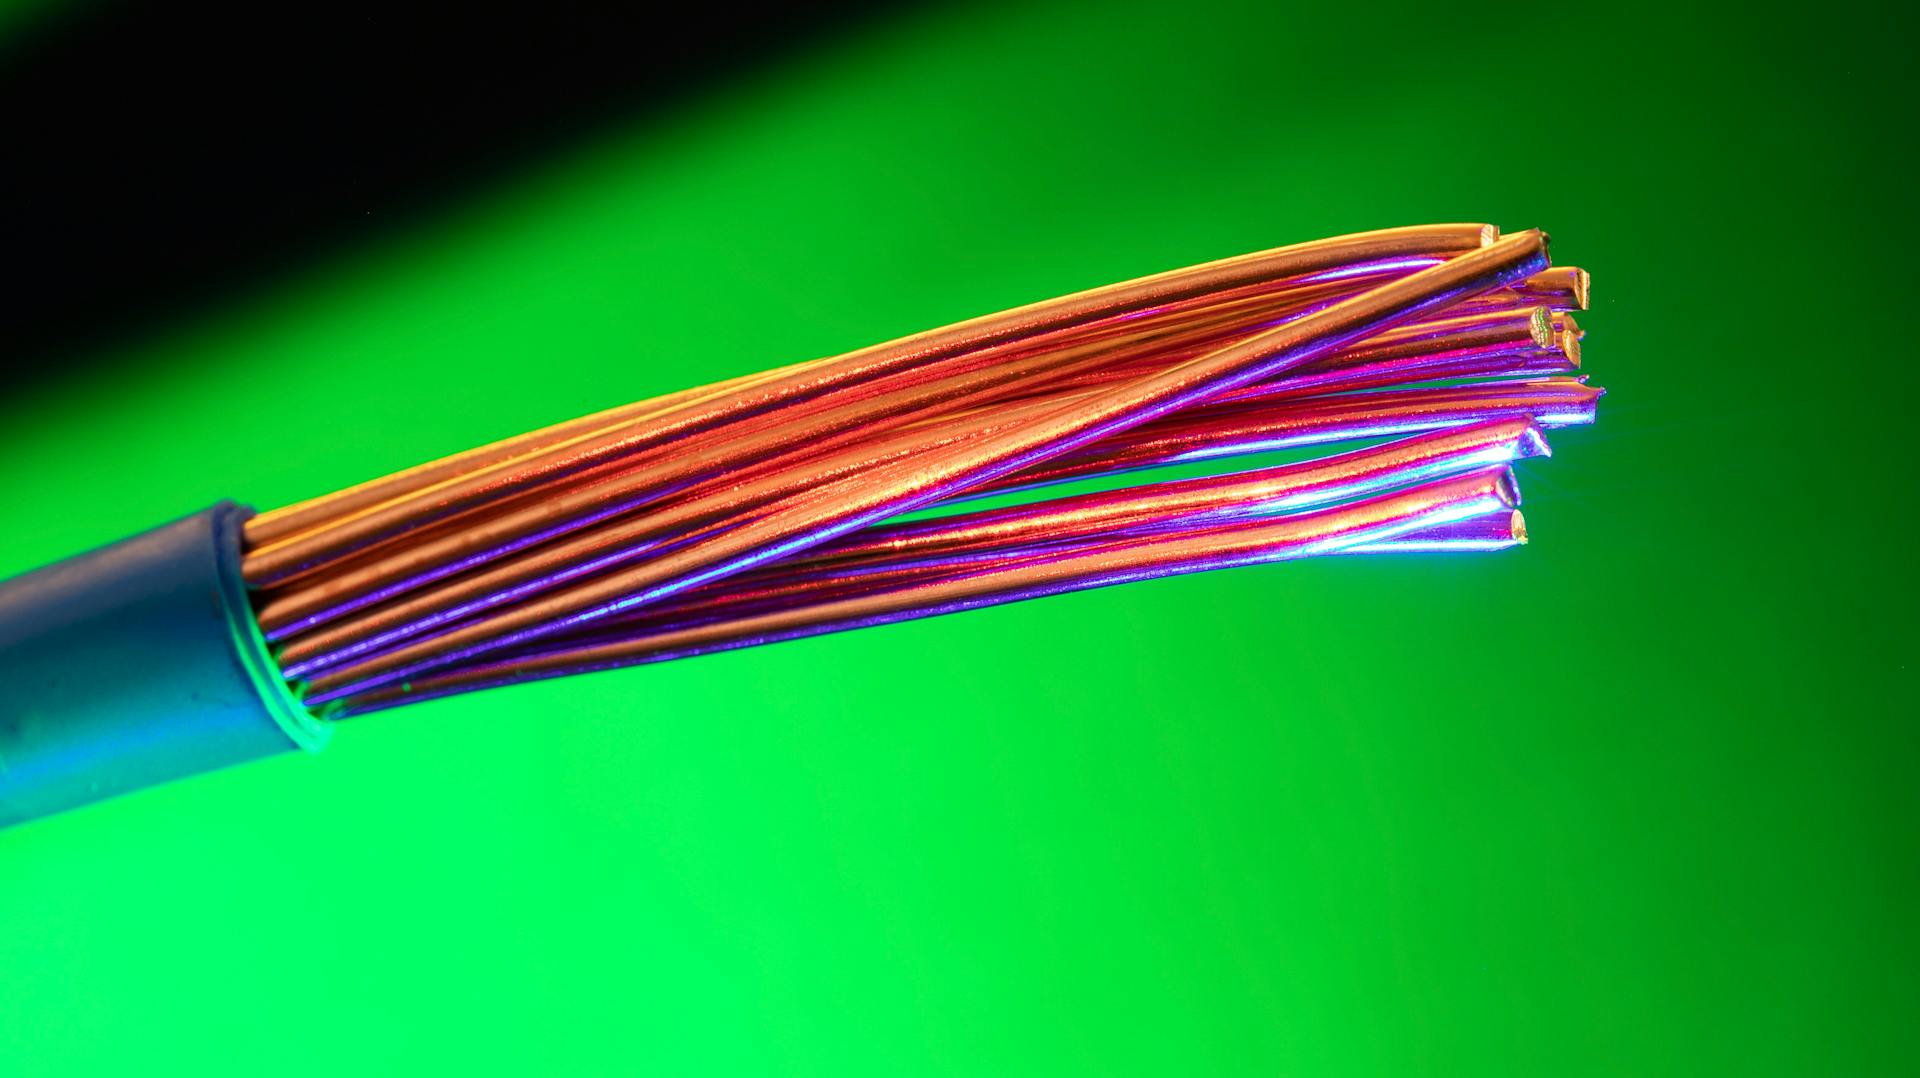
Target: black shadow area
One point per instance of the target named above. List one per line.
(159, 159)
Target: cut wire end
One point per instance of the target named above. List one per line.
(762, 508)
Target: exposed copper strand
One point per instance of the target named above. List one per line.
(846, 505)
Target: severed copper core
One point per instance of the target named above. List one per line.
(760, 507)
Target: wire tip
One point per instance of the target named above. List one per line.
(1540, 326)
(1533, 441)
(1506, 487)
(1582, 286)
(1569, 345)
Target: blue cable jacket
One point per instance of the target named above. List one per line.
(136, 664)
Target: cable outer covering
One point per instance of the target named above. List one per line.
(136, 664)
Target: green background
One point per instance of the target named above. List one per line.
(1636, 799)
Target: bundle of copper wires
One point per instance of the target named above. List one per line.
(764, 508)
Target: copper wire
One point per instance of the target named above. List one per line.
(505, 583)
(1459, 344)
(756, 508)
(281, 559)
(838, 506)
(1224, 545)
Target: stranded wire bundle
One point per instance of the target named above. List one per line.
(765, 508)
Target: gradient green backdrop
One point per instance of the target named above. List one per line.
(1636, 799)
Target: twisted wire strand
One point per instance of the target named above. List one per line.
(760, 508)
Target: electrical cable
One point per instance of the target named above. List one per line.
(842, 493)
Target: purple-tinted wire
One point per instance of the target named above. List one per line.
(1351, 475)
(1011, 535)
(841, 507)
(1476, 498)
